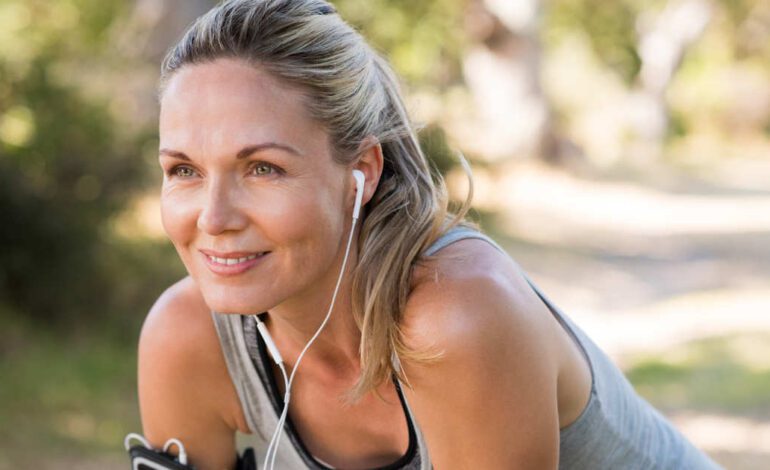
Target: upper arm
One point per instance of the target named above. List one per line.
(490, 401)
(179, 376)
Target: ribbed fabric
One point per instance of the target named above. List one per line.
(618, 429)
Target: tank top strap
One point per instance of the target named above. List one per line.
(459, 232)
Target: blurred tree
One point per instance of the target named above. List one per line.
(688, 67)
(421, 39)
(501, 64)
(664, 38)
(487, 48)
(610, 27)
(65, 167)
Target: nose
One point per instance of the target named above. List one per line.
(220, 212)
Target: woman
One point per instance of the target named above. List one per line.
(434, 348)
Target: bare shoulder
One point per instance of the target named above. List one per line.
(471, 288)
(179, 331)
(495, 382)
(179, 304)
(185, 391)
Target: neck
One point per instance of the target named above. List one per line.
(294, 322)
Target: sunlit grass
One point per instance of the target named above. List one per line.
(66, 395)
(728, 374)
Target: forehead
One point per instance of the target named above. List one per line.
(229, 103)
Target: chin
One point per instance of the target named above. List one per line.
(225, 300)
(228, 306)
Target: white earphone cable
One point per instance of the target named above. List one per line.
(272, 449)
(280, 426)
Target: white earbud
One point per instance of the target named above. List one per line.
(360, 180)
(272, 449)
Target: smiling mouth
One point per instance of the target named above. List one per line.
(233, 261)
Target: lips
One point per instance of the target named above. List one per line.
(233, 262)
(231, 254)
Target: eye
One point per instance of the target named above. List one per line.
(264, 169)
(181, 171)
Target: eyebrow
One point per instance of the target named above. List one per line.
(245, 152)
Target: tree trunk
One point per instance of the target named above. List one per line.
(508, 117)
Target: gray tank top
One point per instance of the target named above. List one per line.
(617, 429)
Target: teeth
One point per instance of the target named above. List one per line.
(231, 261)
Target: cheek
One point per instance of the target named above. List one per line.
(178, 218)
(305, 201)
(310, 220)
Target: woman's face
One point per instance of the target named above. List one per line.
(246, 171)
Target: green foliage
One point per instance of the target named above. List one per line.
(610, 26)
(434, 143)
(65, 168)
(421, 39)
(712, 374)
(677, 126)
(746, 28)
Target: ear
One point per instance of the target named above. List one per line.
(370, 163)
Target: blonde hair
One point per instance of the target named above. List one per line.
(352, 91)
